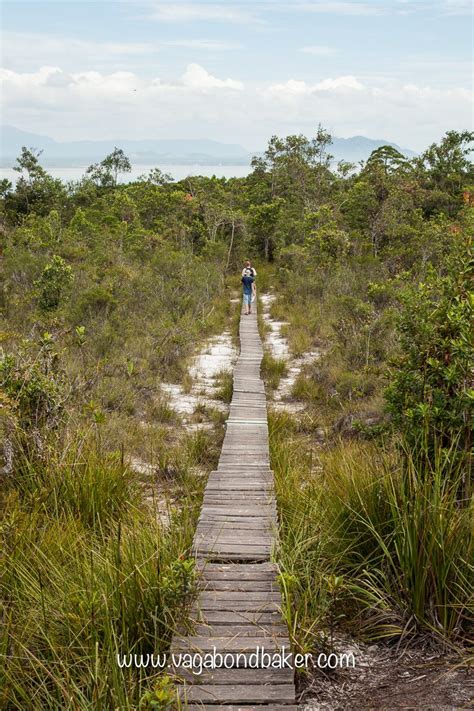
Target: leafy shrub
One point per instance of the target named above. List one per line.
(56, 277)
(430, 397)
(30, 385)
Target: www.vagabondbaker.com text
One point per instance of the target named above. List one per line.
(197, 662)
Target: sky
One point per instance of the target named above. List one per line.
(237, 72)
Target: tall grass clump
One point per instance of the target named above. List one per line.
(373, 540)
(407, 541)
(273, 370)
(224, 386)
(304, 537)
(77, 481)
(86, 580)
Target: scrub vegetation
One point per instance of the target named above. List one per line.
(108, 289)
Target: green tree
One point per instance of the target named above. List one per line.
(36, 190)
(389, 159)
(298, 167)
(157, 177)
(445, 168)
(263, 221)
(106, 173)
(325, 241)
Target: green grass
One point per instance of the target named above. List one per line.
(202, 447)
(80, 481)
(272, 370)
(371, 540)
(306, 388)
(225, 386)
(89, 572)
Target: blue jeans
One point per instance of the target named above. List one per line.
(247, 299)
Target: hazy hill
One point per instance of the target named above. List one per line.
(359, 148)
(156, 151)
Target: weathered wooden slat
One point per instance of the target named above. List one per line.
(249, 535)
(242, 556)
(221, 571)
(257, 525)
(239, 485)
(237, 617)
(231, 644)
(242, 693)
(225, 516)
(233, 630)
(217, 595)
(241, 707)
(238, 605)
(227, 550)
(238, 676)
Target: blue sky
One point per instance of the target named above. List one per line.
(237, 71)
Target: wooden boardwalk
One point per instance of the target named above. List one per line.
(238, 606)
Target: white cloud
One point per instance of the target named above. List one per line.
(196, 77)
(22, 49)
(51, 84)
(211, 45)
(456, 7)
(202, 12)
(343, 8)
(93, 104)
(320, 50)
(440, 7)
(294, 88)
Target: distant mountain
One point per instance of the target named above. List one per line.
(143, 152)
(160, 151)
(359, 148)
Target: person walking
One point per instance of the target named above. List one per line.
(247, 267)
(248, 288)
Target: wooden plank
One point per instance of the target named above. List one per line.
(239, 500)
(239, 570)
(242, 524)
(238, 676)
(242, 707)
(246, 536)
(211, 532)
(231, 644)
(238, 511)
(255, 585)
(223, 554)
(257, 525)
(225, 516)
(216, 541)
(241, 693)
(204, 629)
(237, 617)
(238, 595)
(244, 551)
(224, 605)
(236, 496)
(239, 485)
(215, 572)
